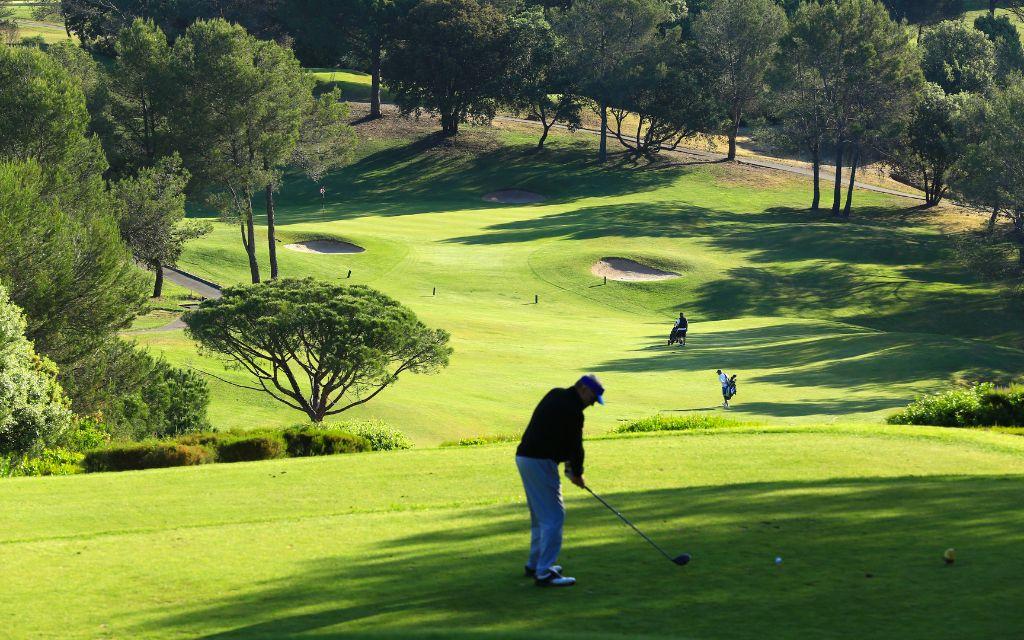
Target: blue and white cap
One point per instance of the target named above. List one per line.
(592, 383)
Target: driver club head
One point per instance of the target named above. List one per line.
(682, 559)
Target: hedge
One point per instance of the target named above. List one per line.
(250, 449)
(310, 441)
(146, 455)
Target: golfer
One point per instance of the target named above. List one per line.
(726, 384)
(554, 435)
(679, 329)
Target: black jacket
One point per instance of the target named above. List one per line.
(555, 431)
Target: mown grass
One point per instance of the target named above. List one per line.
(429, 543)
(354, 85)
(823, 321)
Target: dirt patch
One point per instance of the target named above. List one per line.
(626, 270)
(324, 247)
(514, 196)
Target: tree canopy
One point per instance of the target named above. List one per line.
(958, 58)
(427, 63)
(239, 118)
(317, 347)
(1006, 40)
(738, 39)
(151, 209)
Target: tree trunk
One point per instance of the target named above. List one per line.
(816, 159)
(1018, 226)
(938, 187)
(992, 220)
(250, 245)
(449, 124)
(158, 286)
(853, 178)
(734, 129)
(602, 153)
(992, 8)
(544, 135)
(375, 83)
(271, 236)
(837, 192)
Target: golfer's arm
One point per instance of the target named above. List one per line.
(576, 459)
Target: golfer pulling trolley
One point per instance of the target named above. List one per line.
(554, 435)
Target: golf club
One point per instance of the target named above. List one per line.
(679, 560)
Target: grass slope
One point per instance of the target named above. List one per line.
(354, 85)
(821, 320)
(429, 543)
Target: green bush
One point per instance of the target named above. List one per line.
(47, 462)
(171, 402)
(976, 406)
(247, 449)
(146, 455)
(86, 433)
(676, 423)
(312, 441)
(381, 436)
(34, 411)
(52, 462)
(473, 441)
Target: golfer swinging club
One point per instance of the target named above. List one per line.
(555, 434)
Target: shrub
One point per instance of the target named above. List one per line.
(86, 433)
(206, 438)
(250, 448)
(676, 423)
(313, 441)
(33, 409)
(48, 462)
(146, 455)
(473, 441)
(975, 406)
(52, 462)
(381, 436)
(171, 402)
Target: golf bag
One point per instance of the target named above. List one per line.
(731, 389)
(677, 336)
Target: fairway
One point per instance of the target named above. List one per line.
(822, 321)
(430, 543)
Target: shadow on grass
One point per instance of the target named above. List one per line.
(815, 355)
(432, 174)
(862, 559)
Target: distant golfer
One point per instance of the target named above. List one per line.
(679, 329)
(728, 387)
(554, 435)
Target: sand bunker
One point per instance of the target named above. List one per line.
(324, 246)
(629, 271)
(514, 196)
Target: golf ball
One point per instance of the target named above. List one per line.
(778, 559)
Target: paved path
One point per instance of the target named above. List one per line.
(193, 283)
(196, 285)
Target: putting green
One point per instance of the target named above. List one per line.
(822, 321)
(429, 543)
